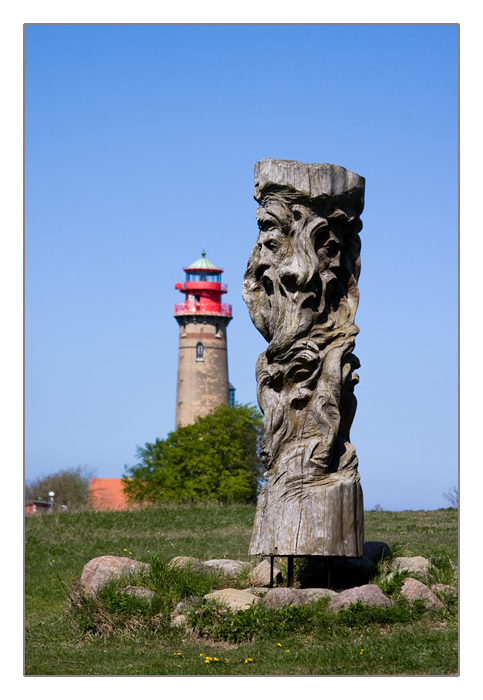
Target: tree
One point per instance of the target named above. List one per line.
(452, 497)
(215, 458)
(71, 487)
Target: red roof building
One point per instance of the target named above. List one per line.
(107, 494)
(32, 507)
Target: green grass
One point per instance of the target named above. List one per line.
(117, 635)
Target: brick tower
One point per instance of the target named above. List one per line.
(202, 360)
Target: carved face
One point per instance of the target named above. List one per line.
(273, 247)
(300, 288)
(328, 248)
(302, 268)
(282, 282)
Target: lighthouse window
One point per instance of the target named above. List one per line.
(202, 277)
(199, 351)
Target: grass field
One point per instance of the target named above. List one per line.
(409, 641)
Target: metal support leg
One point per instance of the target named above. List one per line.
(290, 571)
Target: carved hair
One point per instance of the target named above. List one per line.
(301, 291)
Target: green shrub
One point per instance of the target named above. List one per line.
(216, 458)
(210, 620)
(179, 583)
(361, 616)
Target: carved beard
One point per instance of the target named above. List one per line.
(300, 288)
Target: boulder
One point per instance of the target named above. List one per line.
(413, 590)
(277, 598)
(97, 572)
(375, 551)
(335, 572)
(370, 594)
(359, 571)
(444, 589)
(179, 621)
(139, 592)
(228, 567)
(413, 565)
(314, 594)
(233, 598)
(187, 604)
(260, 575)
(256, 590)
(186, 562)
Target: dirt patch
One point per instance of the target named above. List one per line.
(433, 625)
(207, 641)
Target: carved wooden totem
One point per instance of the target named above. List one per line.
(301, 291)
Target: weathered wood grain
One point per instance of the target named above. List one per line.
(301, 291)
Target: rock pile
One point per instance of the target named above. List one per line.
(100, 570)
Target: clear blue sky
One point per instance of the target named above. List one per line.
(140, 147)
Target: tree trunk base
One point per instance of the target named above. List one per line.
(318, 520)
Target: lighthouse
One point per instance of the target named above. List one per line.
(202, 358)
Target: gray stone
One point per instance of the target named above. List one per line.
(444, 589)
(260, 575)
(179, 621)
(413, 565)
(139, 592)
(314, 594)
(257, 590)
(376, 551)
(370, 595)
(228, 567)
(186, 562)
(187, 604)
(97, 572)
(360, 571)
(338, 573)
(277, 598)
(233, 598)
(413, 590)
(300, 288)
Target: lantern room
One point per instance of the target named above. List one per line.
(202, 289)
